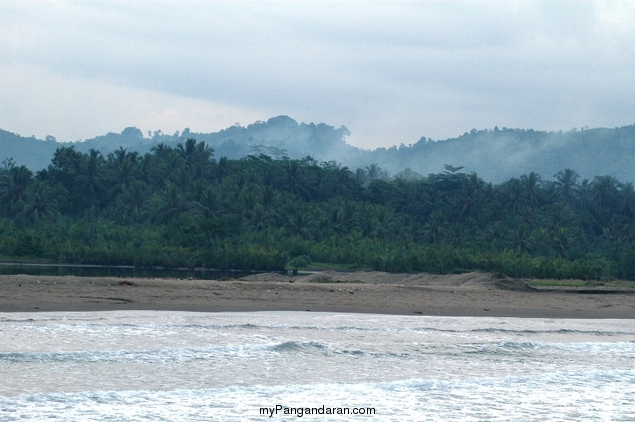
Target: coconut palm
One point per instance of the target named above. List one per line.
(39, 203)
(567, 185)
(13, 186)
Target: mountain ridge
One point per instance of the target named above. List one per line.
(494, 154)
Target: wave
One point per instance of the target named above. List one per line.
(592, 394)
(184, 355)
(298, 346)
(397, 329)
(524, 347)
(162, 355)
(559, 331)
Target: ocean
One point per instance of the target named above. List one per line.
(180, 366)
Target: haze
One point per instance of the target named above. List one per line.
(391, 72)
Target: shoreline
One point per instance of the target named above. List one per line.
(472, 294)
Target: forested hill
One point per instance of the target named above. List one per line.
(495, 155)
(499, 154)
(31, 152)
(277, 137)
(182, 206)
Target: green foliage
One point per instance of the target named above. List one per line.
(178, 207)
(301, 261)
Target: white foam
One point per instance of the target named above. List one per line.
(140, 365)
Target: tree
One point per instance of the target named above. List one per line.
(299, 223)
(513, 195)
(39, 203)
(604, 192)
(299, 262)
(133, 201)
(123, 166)
(13, 186)
(295, 180)
(531, 188)
(567, 185)
(450, 169)
(627, 200)
(196, 156)
(91, 179)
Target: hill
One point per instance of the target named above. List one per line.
(499, 154)
(494, 154)
(31, 152)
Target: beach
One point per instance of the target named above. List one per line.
(471, 294)
(397, 346)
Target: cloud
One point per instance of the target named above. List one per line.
(76, 109)
(390, 71)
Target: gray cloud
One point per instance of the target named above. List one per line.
(390, 71)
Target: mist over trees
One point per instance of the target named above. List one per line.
(279, 194)
(182, 206)
(494, 154)
(499, 154)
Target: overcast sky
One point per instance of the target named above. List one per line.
(390, 71)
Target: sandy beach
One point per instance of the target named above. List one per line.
(471, 294)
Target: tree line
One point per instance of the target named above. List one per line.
(181, 207)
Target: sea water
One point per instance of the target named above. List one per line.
(179, 366)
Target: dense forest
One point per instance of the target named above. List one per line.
(181, 206)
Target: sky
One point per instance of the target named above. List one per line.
(390, 71)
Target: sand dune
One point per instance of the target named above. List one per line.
(465, 282)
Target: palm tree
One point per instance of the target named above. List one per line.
(294, 179)
(604, 192)
(222, 169)
(196, 156)
(627, 199)
(39, 204)
(435, 227)
(260, 218)
(343, 180)
(170, 203)
(373, 171)
(92, 178)
(567, 185)
(562, 241)
(531, 187)
(361, 176)
(13, 186)
(471, 198)
(299, 223)
(367, 222)
(208, 202)
(133, 200)
(334, 220)
(123, 165)
(512, 196)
